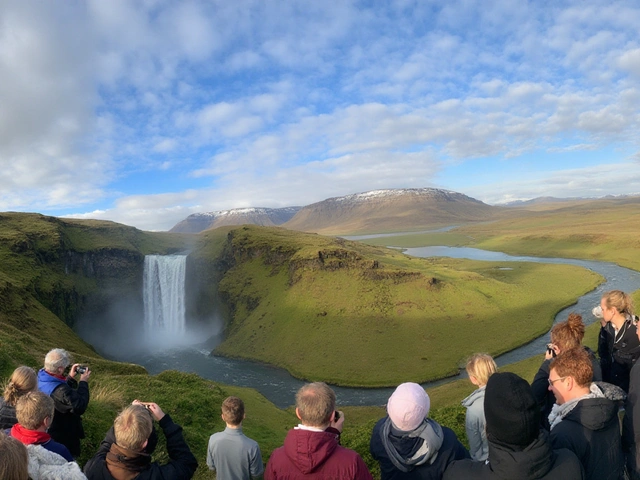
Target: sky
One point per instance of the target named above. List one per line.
(146, 111)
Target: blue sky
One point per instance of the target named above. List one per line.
(146, 111)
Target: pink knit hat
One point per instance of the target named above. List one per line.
(408, 406)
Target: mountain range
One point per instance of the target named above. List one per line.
(374, 211)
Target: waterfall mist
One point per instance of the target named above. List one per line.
(156, 317)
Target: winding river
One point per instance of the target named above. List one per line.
(280, 387)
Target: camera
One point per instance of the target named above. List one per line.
(597, 312)
(550, 349)
(336, 416)
(81, 369)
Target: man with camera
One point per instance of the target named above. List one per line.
(70, 397)
(125, 452)
(312, 449)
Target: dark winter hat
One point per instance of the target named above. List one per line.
(511, 411)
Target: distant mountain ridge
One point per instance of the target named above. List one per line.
(266, 217)
(390, 210)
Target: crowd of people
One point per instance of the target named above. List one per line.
(578, 419)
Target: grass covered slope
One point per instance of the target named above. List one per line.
(351, 314)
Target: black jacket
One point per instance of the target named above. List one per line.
(540, 386)
(535, 462)
(592, 431)
(618, 354)
(71, 399)
(182, 464)
(450, 450)
(7, 415)
(631, 425)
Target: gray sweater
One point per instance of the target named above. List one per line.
(475, 425)
(234, 456)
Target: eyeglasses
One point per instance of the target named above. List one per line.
(551, 382)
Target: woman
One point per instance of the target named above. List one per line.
(479, 367)
(23, 380)
(618, 344)
(564, 336)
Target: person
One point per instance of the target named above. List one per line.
(479, 368)
(23, 380)
(518, 447)
(564, 336)
(35, 412)
(126, 450)
(230, 453)
(407, 443)
(312, 450)
(584, 418)
(631, 423)
(70, 397)
(618, 344)
(14, 464)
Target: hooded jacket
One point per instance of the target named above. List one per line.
(475, 423)
(315, 455)
(71, 399)
(591, 430)
(536, 461)
(47, 465)
(407, 446)
(181, 466)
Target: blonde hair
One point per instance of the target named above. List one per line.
(481, 366)
(316, 403)
(619, 300)
(32, 408)
(23, 380)
(132, 427)
(569, 334)
(15, 461)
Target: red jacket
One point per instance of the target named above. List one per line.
(315, 455)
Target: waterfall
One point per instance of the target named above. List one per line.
(163, 293)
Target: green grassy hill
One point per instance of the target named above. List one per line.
(357, 315)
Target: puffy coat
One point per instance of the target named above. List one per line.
(71, 400)
(450, 450)
(315, 455)
(47, 465)
(7, 415)
(631, 425)
(475, 425)
(591, 430)
(181, 466)
(537, 461)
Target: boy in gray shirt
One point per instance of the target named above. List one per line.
(233, 455)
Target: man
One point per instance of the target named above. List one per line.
(70, 397)
(585, 416)
(407, 444)
(518, 448)
(231, 454)
(125, 453)
(312, 450)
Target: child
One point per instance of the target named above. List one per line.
(479, 367)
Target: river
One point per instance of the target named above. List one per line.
(279, 387)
